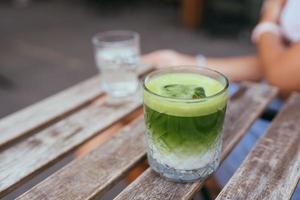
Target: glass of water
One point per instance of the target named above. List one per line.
(117, 55)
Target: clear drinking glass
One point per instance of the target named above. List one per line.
(184, 113)
(117, 55)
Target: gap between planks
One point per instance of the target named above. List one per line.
(106, 134)
(271, 170)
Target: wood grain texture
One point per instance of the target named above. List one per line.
(96, 172)
(272, 168)
(32, 154)
(244, 107)
(44, 112)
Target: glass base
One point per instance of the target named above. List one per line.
(183, 176)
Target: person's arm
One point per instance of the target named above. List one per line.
(281, 65)
(235, 68)
(239, 68)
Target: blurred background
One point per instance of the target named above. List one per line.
(45, 45)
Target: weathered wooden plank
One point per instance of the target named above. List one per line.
(96, 172)
(32, 154)
(272, 168)
(244, 107)
(41, 113)
(44, 112)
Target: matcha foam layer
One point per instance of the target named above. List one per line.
(184, 94)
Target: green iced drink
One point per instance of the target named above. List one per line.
(184, 114)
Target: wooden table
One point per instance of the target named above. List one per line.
(36, 137)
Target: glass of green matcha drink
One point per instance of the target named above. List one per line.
(184, 114)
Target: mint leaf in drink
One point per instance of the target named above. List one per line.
(199, 92)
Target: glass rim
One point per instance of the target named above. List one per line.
(97, 41)
(187, 67)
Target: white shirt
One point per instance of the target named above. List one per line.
(290, 21)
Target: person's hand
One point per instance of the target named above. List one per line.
(167, 58)
(271, 10)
